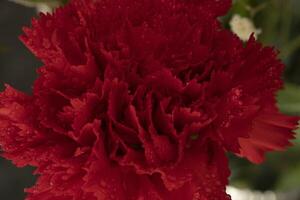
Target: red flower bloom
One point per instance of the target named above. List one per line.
(141, 100)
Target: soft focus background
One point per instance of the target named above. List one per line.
(274, 22)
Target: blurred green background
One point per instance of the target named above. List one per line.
(279, 22)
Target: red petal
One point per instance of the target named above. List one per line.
(271, 132)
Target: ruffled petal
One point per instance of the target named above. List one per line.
(271, 131)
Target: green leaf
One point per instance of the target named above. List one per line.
(289, 99)
(290, 180)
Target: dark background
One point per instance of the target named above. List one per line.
(17, 64)
(17, 68)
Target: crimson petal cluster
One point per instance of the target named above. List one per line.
(140, 100)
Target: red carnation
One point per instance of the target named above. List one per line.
(141, 100)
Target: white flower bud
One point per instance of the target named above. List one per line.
(243, 27)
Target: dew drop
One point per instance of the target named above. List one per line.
(46, 43)
(102, 183)
(48, 24)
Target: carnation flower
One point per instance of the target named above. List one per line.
(141, 99)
